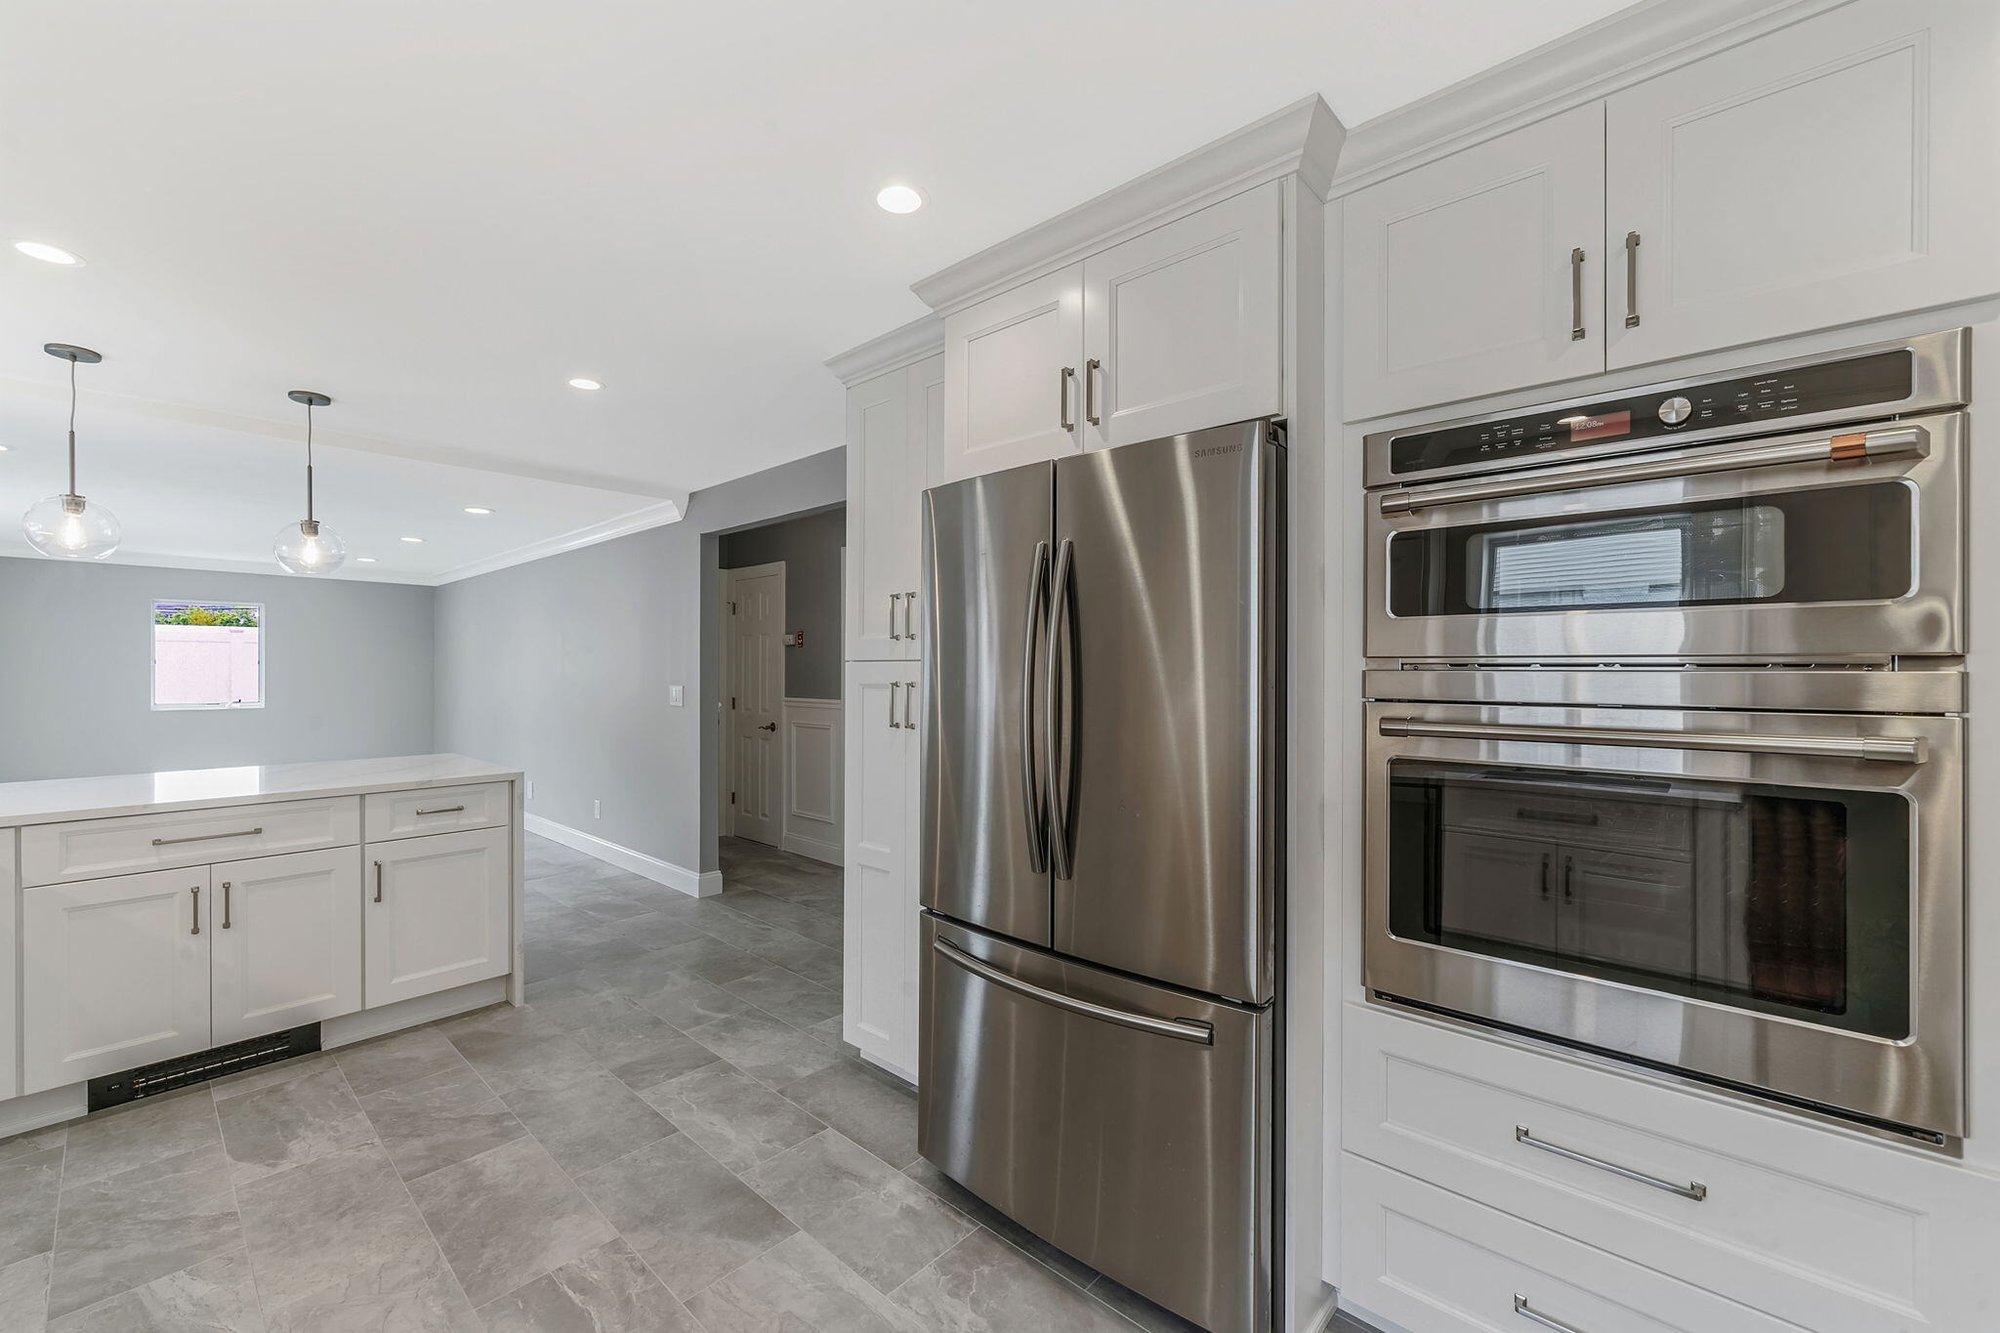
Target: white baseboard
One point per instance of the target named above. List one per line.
(39, 1110)
(696, 884)
(799, 844)
(363, 1024)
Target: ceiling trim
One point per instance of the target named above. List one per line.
(916, 340)
(220, 565)
(639, 520)
(1303, 139)
(1579, 67)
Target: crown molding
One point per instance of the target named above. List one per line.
(639, 520)
(1579, 67)
(1303, 139)
(215, 565)
(895, 349)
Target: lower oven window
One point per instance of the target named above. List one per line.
(1776, 899)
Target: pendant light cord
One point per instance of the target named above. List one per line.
(72, 425)
(309, 462)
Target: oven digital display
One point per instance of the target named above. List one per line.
(1608, 426)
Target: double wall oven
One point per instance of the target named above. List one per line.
(1665, 735)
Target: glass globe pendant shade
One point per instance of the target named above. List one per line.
(68, 527)
(306, 547)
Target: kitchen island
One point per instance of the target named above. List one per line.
(231, 914)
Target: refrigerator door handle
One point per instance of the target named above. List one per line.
(1056, 746)
(1032, 801)
(1180, 1029)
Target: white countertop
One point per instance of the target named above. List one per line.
(60, 799)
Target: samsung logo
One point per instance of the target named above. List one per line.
(1217, 450)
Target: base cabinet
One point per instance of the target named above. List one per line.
(435, 914)
(10, 961)
(115, 974)
(883, 781)
(286, 941)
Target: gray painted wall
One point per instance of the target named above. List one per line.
(810, 548)
(348, 671)
(560, 667)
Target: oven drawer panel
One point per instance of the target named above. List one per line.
(1837, 1232)
(1434, 1262)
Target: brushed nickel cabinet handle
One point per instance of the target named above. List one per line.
(225, 904)
(194, 927)
(1694, 1190)
(1062, 389)
(910, 616)
(1576, 330)
(208, 837)
(378, 881)
(894, 686)
(1530, 1313)
(1092, 370)
(443, 810)
(1631, 279)
(894, 599)
(909, 705)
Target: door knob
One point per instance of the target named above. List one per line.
(768, 726)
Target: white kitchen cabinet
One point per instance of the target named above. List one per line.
(1183, 325)
(10, 959)
(883, 784)
(115, 974)
(1839, 169)
(894, 423)
(1479, 272)
(1012, 392)
(436, 913)
(286, 947)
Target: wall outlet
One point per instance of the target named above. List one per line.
(675, 695)
(597, 809)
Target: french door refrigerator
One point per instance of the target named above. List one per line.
(1102, 858)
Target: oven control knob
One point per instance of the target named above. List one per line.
(1675, 410)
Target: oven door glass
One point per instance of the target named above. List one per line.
(1826, 544)
(1785, 900)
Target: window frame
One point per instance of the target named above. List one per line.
(153, 607)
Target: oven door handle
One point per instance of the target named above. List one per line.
(1857, 447)
(1881, 749)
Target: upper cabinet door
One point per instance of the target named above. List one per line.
(1183, 327)
(1013, 388)
(1840, 169)
(926, 442)
(287, 942)
(882, 524)
(1462, 277)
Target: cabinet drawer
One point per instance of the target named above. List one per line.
(1437, 1263)
(411, 814)
(1834, 1231)
(128, 844)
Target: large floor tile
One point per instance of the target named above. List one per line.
(797, 1284)
(401, 1057)
(589, 1122)
(688, 1002)
(772, 1052)
(286, 1123)
(1073, 1270)
(811, 960)
(985, 1285)
(519, 1048)
(1149, 1317)
(737, 1119)
(786, 995)
(877, 1221)
(506, 1217)
(34, 1141)
(29, 1186)
(606, 1291)
(158, 1217)
(217, 1294)
(24, 1294)
(641, 1049)
(709, 959)
(152, 1130)
(268, 1076)
(686, 1215)
(428, 1302)
(575, 1004)
(439, 1120)
(864, 1107)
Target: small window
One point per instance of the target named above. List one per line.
(208, 655)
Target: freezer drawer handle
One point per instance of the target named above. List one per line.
(1531, 1314)
(1893, 442)
(1881, 749)
(1181, 1029)
(1694, 1190)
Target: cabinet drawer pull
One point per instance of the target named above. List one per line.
(208, 837)
(1576, 330)
(1093, 370)
(909, 705)
(1695, 1190)
(1530, 1313)
(910, 616)
(378, 881)
(443, 810)
(225, 904)
(894, 599)
(194, 927)
(1062, 389)
(1631, 279)
(895, 687)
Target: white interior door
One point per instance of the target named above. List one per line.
(287, 941)
(756, 700)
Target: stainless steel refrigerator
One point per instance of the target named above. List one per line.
(1103, 858)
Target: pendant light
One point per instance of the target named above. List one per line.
(64, 525)
(305, 547)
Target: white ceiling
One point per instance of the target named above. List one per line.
(438, 212)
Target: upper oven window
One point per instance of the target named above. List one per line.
(1828, 544)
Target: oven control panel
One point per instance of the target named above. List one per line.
(1881, 379)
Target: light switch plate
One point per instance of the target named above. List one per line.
(674, 695)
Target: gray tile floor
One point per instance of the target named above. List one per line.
(667, 1138)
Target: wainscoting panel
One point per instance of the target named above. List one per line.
(813, 779)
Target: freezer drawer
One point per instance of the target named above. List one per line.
(1126, 1123)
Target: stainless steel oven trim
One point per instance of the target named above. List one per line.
(1802, 690)
(1941, 371)
(1927, 620)
(1917, 1082)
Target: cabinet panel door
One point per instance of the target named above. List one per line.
(926, 395)
(881, 889)
(435, 914)
(115, 974)
(287, 943)
(10, 958)
(880, 494)
(1838, 170)
(1186, 323)
(1007, 399)
(1458, 278)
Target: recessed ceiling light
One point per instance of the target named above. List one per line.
(365, 559)
(477, 509)
(48, 254)
(414, 541)
(899, 199)
(580, 382)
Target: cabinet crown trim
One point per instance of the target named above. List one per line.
(893, 350)
(1303, 139)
